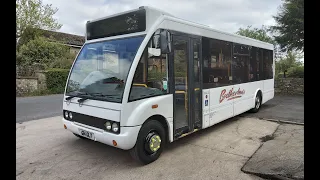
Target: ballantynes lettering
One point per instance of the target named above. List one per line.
(230, 95)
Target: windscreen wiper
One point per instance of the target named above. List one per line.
(78, 93)
(90, 94)
(103, 95)
(81, 100)
(95, 94)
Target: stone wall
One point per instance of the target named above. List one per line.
(290, 86)
(41, 79)
(25, 85)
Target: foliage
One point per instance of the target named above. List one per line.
(40, 51)
(28, 35)
(256, 33)
(180, 66)
(260, 34)
(154, 75)
(290, 25)
(56, 80)
(34, 14)
(287, 62)
(64, 62)
(296, 72)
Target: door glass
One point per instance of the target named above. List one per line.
(180, 50)
(196, 78)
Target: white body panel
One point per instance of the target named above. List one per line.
(215, 112)
(100, 109)
(137, 112)
(125, 140)
(221, 107)
(268, 90)
(247, 100)
(132, 115)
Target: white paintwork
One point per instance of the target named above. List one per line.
(136, 112)
(132, 115)
(95, 108)
(268, 90)
(217, 111)
(125, 140)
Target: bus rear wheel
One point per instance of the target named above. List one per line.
(150, 142)
(257, 103)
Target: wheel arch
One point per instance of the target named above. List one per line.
(163, 122)
(256, 93)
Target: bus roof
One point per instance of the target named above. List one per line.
(155, 13)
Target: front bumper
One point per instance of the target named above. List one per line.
(125, 140)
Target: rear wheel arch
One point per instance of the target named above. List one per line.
(258, 91)
(257, 101)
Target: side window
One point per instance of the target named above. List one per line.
(271, 64)
(267, 64)
(217, 63)
(260, 57)
(254, 65)
(150, 78)
(240, 64)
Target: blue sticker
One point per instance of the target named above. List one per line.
(206, 102)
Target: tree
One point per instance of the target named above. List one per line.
(41, 51)
(290, 25)
(28, 35)
(291, 60)
(260, 34)
(32, 14)
(256, 33)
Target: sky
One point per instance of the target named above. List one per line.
(225, 15)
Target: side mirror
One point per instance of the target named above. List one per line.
(154, 52)
(161, 42)
(165, 41)
(156, 39)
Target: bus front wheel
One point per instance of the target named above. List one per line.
(150, 142)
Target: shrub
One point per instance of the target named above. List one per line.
(153, 75)
(40, 51)
(61, 63)
(296, 72)
(279, 75)
(56, 80)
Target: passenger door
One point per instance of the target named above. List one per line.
(186, 87)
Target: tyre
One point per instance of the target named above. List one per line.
(150, 142)
(257, 103)
(79, 136)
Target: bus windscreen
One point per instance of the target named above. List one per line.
(123, 24)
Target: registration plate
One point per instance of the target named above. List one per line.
(86, 134)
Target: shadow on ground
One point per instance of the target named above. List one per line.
(281, 107)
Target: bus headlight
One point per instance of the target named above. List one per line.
(66, 115)
(115, 127)
(107, 125)
(70, 115)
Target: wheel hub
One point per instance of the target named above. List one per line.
(257, 102)
(153, 143)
